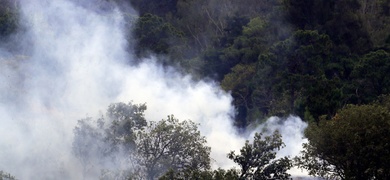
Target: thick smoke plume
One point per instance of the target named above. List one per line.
(69, 62)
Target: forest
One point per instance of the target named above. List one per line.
(326, 61)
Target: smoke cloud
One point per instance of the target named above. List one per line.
(71, 62)
(291, 129)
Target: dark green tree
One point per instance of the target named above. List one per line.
(340, 19)
(108, 138)
(287, 78)
(376, 17)
(219, 174)
(354, 144)
(154, 34)
(148, 151)
(257, 159)
(123, 121)
(370, 74)
(170, 144)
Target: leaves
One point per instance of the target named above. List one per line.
(170, 144)
(371, 75)
(353, 144)
(257, 159)
(147, 149)
(124, 120)
(110, 138)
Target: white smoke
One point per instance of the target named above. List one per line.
(291, 129)
(75, 64)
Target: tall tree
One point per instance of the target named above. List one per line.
(257, 159)
(154, 34)
(375, 16)
(122, 144)
(124, 120)
(370, 74)
(88, 144)
(354, 144)
(170, 144)
(109, 138)
(339, 19)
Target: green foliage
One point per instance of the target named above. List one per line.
(155, 35)
(302, 55)
(354, 144)
(322, 96)
(170, 144)
(375, 18)
(233, 29)
(219, 174)
(238, 82)
(88, 143)
(340, 19)
(97, 141)
(292, 76)
(242, 58)
(257, 159)
(124, 120)
(147, 150)
(370, 74)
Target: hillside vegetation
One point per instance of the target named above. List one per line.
(327, 61)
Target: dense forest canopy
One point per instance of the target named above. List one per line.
(323, 60)
(263, 51)
(167, 149)
(278, 57)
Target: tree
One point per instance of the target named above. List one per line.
(371, 75)
(6, 176)
(170, 144)
(304, 56)
(121, 144)
(354, 144)
(124, 120)
(238, 64)
(239, 83)
(88, 144)
(257, 159)
(219, 174)
(109, 138)
(155, 35)
(275, 84)
(375, 18)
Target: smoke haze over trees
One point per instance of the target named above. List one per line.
(227, 66)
